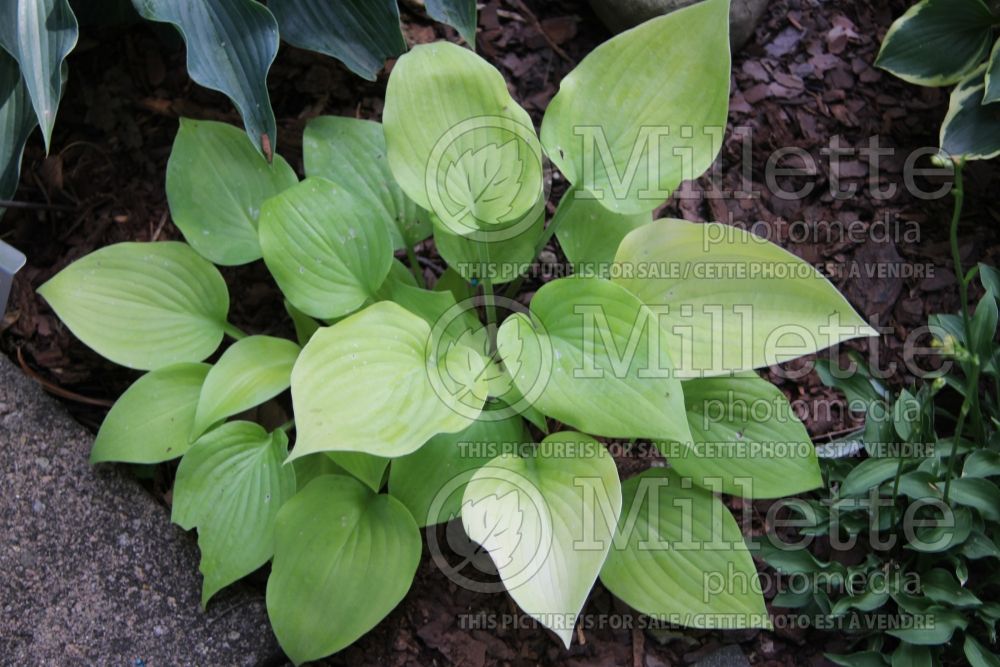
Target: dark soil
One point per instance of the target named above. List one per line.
(805, 81)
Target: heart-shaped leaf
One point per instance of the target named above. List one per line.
(730, 301)
(230, 486)
(344, 557)
(363, 467)
(589, 233)
(591, 356)
(351, 153)
(459, 14)
(252, 371)
(323, 248)
(679, 554)
(17, 121)
(622, 131)
(230, 47)
(216, 183)
(501, 260)
(364, 385)
(142, 305)
(547, 519)
(152, 420)
(970, 129)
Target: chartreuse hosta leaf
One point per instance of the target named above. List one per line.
(459, 145)
(142, 305)
(547, 518)
(252, 371)
(729, 301)
(747, 440)
(970, 129)
(351, 153)
(460, 14)
(343, 558)
(230, 47)
(364, 467)
(622, 131)
(324, 248)
(359, 33)
(937, 42)
(679, 555)
(216, 183)
(591, 356)
(152, 420)
(230, 486)
(17, 121)
(431, 480)
(39, 34)
(365, 385)
(589, 233)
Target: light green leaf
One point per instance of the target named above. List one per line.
(970, 129)
(628, 135)
(459, 145)
(216, 183)
(17, 121)
(590, 356)
(39, 34)
(437, 309)
(230, 485)
(459, 14)
(431, 480)
(364, 385)
(589, 233)
(323, 248)
(252, 371)
(978, 655)
(152, 420)
(678, 553)
(730, 301)
(747, 440)
(142, 305)
(305, 326)
(936, 42)
(547, 518)
(230, 47)
(352, 153)
(364, 467)
(359, 33)
(343, 559)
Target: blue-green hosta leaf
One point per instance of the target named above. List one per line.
(992, 93)
(39, 34)
(589, 233)
(351, 153)
(978, 655)
(344, 557)
(364, 467)
(142, 305)
(547, 519)
(230, 486)
(941, 586)
(459, 145)
(324, 249)
(978, 493)
(359, 33)
(431, 480)
(152, 420)
(216, 183)
(230, 47)
(982, 463)
(17, 121)
(868, 475)
(937, 42)
(252, 371)
(679, 554)
(623, 131)
(364, 385)
(730, 301)
(591, 356)
(459, 14)
(939, 625)
(971, 129)
(747, 440)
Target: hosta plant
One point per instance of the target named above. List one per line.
(656, 339)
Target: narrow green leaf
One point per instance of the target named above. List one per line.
(626, 134)
(970, 129)
(142, 305)
(230, 486)
(977, 655)
(980, 546)
(459, 14)
(230, 47)
(589, 233)
(984, 325)
(359, 33)
(323, 248)
(681, 553)
(17, 121)
(908, 655)
(547, 519)
(978, 493)
(982, 463)
(343, 559)
(939, 624)
(868, 475)
(990, 278)
(216, 184)
(859, 659)
(942, 587)
(39, 34)
(252, 371)
(152, 420)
